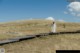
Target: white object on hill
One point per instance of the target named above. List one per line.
(53, 27)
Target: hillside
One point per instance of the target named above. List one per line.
(28, 27)
(45, 44)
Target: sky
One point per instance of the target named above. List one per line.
(11, 10)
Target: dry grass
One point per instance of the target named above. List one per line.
(21, 28)
(48, 44)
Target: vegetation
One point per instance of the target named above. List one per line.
(27, 27)
(46, 44)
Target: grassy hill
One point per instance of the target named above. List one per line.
(48, 44)
(28, 27)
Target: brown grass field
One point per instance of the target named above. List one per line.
(47, 44)
(28, 27)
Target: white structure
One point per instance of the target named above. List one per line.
(53, 27)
